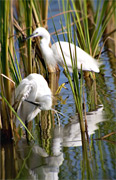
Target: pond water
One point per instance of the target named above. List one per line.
(58, 152)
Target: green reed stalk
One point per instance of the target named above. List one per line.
(29, 31)
(4, 57)
(90, 43)
(97, 20)
(11, 29)
(75, 86)
(86, 168)
(46, 13)
(36, 13)
(101, 24)
(4, 68)
(17, 116)
(14, 68)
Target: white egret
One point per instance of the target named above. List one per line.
(53, 55)
(33, 88)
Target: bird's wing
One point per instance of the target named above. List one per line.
(88, 62)
(33, 114)
(22, 92)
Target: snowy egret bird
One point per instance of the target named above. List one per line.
(33, 88)
(53, 55)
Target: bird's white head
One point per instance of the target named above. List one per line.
(41, 32)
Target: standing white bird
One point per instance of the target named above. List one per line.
(34, 89)
(53, 55)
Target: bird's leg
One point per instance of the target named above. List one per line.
(60, 87)
(57, 112)
(58, 118)
(63, 84)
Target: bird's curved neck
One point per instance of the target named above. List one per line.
(47, 52)
(45, 40)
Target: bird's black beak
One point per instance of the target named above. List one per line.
(29, 37)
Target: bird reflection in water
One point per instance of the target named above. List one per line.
(41, 165)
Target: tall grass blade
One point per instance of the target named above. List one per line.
(4, 50)
(14, 69)
(29, 31)
(74, 84)
(16, 115)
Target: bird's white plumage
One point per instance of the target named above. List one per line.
(53, 55)
(33, 88)
(88, 62)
